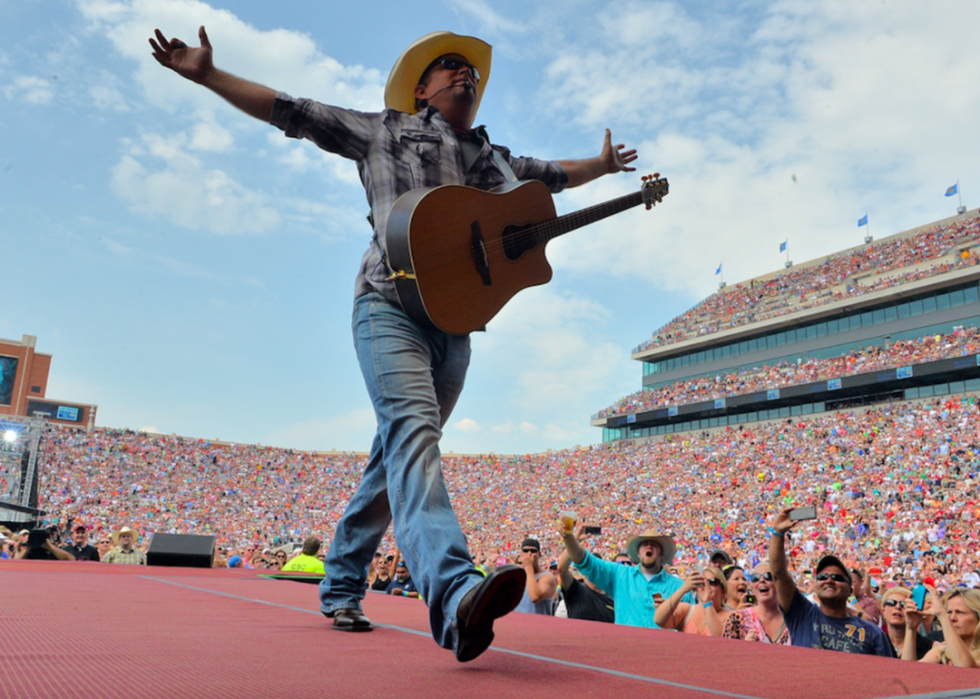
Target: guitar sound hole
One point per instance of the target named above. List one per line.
(516, 244)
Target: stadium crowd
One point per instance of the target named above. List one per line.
(895, 490)
(806, 287)
(961, 342)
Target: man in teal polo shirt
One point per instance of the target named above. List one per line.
(633, 587)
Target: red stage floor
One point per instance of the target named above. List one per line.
(93, 630)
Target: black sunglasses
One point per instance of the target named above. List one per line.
(836, 577)
(714, 582)
(755, 577)
(625, 563)
(892, 602)
(529, 551)
(454, 64)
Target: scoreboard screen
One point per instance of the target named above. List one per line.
(68, 413)
(8, 371)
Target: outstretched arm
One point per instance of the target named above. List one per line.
(611, 159)
(785, 587)
(196, 65)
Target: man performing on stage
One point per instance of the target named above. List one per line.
(414, 375)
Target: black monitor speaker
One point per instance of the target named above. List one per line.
(183, 550)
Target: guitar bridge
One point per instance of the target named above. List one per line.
(479, 249)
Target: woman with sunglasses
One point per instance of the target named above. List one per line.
(764, 622)
(707, 617)
(899, 627)
(958, 612)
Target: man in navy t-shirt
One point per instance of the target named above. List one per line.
(402, 584)
(828, 624)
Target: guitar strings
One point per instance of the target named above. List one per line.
(543, 231)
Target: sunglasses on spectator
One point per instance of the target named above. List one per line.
(625, 563)
(714, 582)
(454, 64)
(755, 577)
(836, 577)
(529, 551)
(892, 602)
(105, 541)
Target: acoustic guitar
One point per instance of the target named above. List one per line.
(459, 254)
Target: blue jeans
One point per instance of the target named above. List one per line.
(414, 377)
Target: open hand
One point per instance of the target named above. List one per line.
(694, 581)
(781, 522)
(614, 158)
(189, 62)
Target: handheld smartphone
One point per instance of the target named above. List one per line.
(919, 596)
(801, 513)
(750, 598)
(593, 530)
(657, 598)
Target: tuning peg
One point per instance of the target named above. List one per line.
(644, 178)
(656, 175)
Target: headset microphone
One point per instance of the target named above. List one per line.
(425, 102)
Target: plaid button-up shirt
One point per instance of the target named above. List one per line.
(117, 555)
(396, 152)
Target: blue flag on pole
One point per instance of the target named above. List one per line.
(952, 190)
(782, 246)
(718, 271)
(863, 221)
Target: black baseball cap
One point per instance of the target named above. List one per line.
(531, 544)
(832, 560)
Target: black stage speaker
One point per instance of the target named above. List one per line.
(184, 550)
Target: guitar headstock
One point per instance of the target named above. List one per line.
(654, 189)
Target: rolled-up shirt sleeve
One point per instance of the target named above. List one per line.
(601, 573)
(548, 171)
(345, 132)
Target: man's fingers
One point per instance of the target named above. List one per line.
(203, 36)
(162, 39)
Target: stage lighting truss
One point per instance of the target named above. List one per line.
(18, 437)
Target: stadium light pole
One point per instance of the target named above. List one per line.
(960, 209)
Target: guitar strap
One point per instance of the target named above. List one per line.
(504, 166)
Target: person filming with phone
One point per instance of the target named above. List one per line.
(828, 624)
(637, 589)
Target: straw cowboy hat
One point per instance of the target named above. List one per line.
(404, 77)
(124, 530)
(666, 543)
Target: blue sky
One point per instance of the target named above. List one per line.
(191, 270)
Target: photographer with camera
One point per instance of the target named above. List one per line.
(41, 545)
(828, 624)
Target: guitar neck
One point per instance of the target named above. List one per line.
(548, 230)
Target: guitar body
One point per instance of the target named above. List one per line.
(460, 253)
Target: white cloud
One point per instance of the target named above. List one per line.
(563, 361)
(283, 59)
(208, 135)
(30, 89)
(467, 425)
(871, 106)
(182, 189)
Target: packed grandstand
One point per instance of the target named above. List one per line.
(895, 481)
